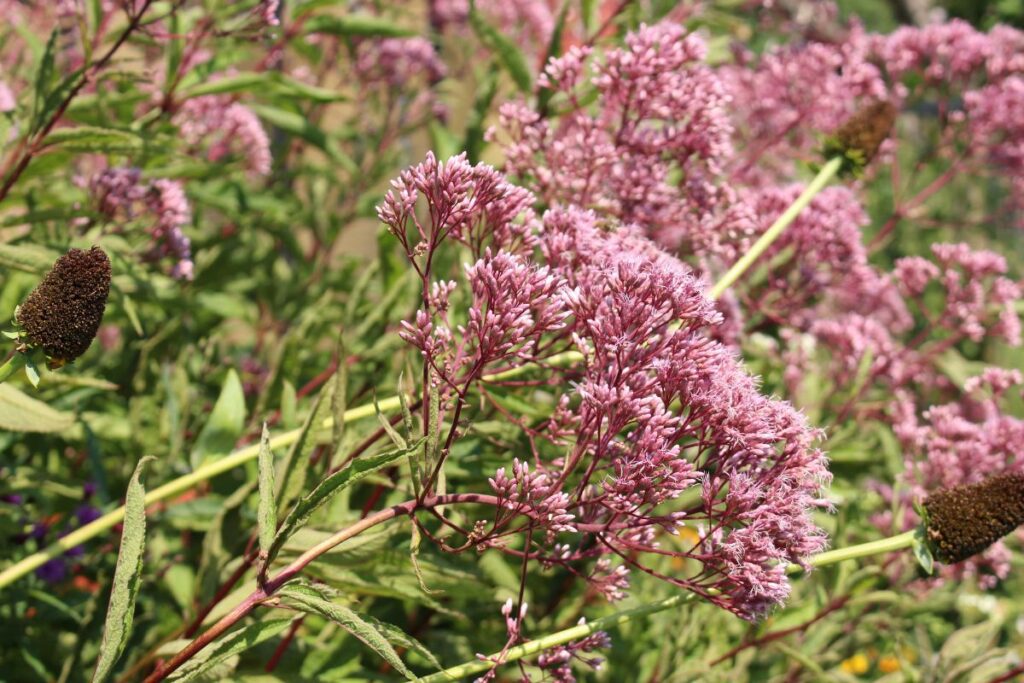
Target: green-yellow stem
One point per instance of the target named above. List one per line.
(827, 172)
(458, 673)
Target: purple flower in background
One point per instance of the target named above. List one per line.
(53, 571)
(225, 127)
(121, 194)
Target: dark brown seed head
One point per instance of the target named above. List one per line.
(63, 313)
(964, 520)
(858, 140)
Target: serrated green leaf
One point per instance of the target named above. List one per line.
(356, 25)
(235, 643)
(225, 424)
(127, 576)
(20, 412)
(267, 510)
(402, 639)
(349, 620)
(331, 486)
(509, 54)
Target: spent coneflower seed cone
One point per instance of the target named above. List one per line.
(857, 141)
(63, 313)
(965, 520)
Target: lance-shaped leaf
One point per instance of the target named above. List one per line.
(330, 487)
(127, 575)
(291, 473)
(225, 424)
(267, 509)
(311, 601)
(508, 53)
(233, 644)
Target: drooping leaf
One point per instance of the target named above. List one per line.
(19, 412)
(311, 601)
(225, 424)
(232, 644)
(400, 638)
(127, 576)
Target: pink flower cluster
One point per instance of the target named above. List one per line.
(658, 409)
(120, 194)
(648, 152)
(960, 294)
(225, 127)
(398, 62)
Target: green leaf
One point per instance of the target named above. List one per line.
(235, 643)
(356, 25)
(291, 476)
(402, 639)
(93, 139)
(476, 126)
(44, 76)
(127, 576)
(339, 398)
(508, 53)
(32, 373)
(298, 125)
(289, 405)
(20, 412)
(263, 82)
(225, 425)
(385, 424)
(329, 487)
(923, 553)
(30, 258)
(267, 511)
(309, 600)
(554, 50)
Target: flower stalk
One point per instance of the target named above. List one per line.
(825, 175)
